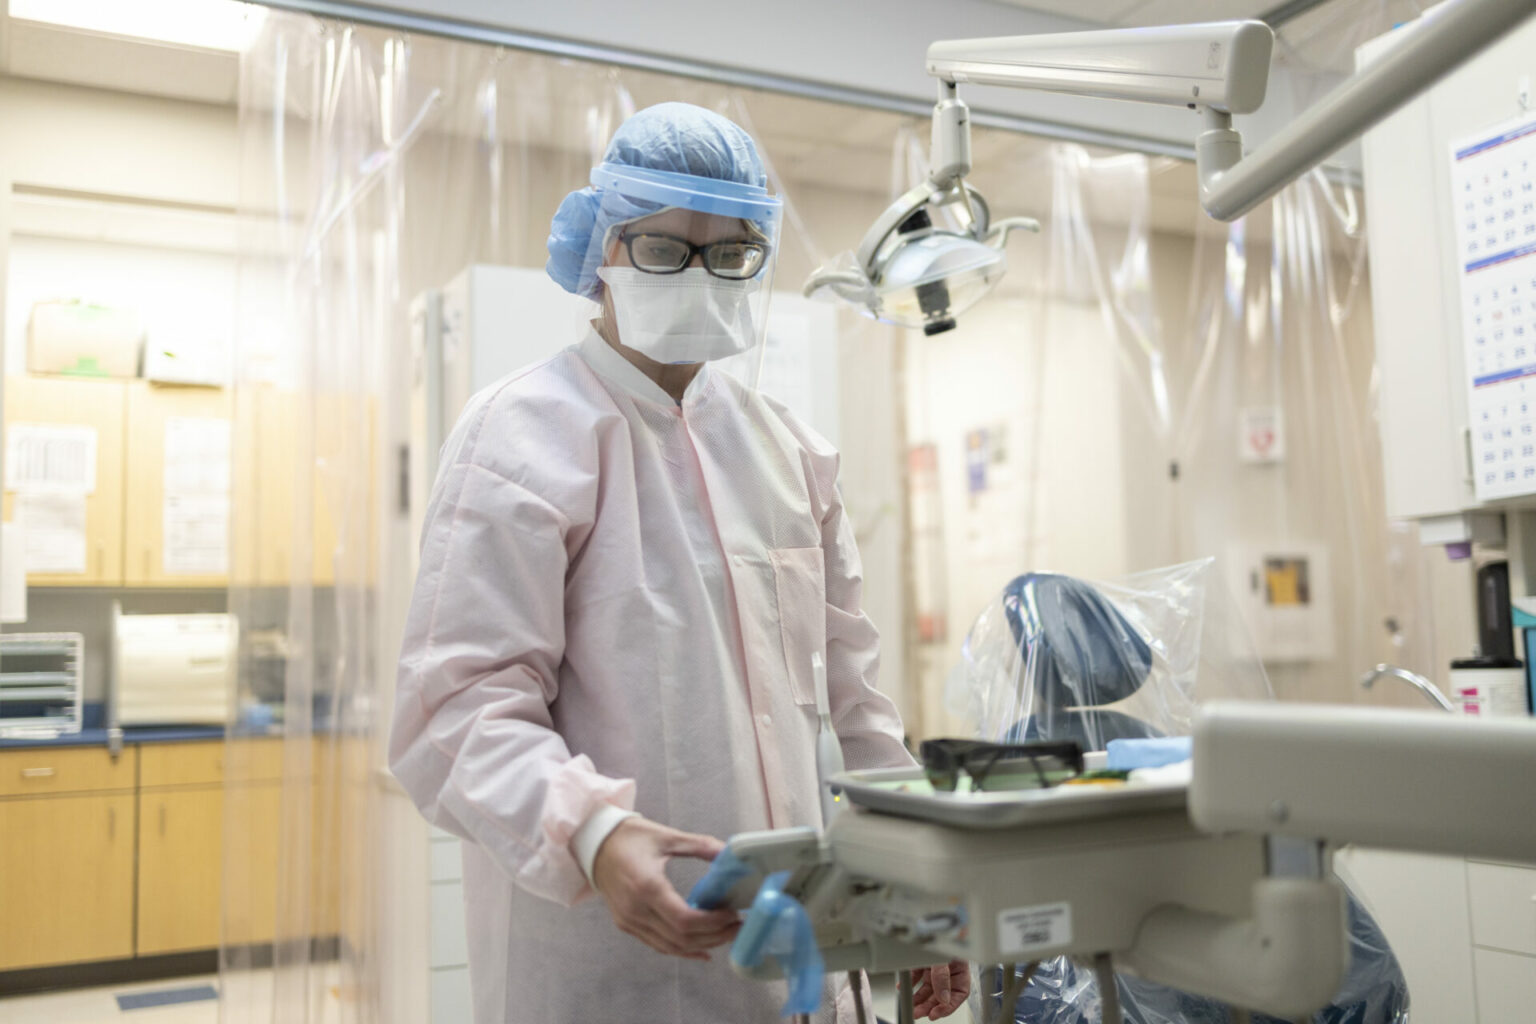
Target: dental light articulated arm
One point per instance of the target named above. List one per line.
(1221, 69)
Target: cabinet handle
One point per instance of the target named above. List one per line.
(39, 773)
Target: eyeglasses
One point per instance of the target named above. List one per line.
(1044, 763)
(735, 259)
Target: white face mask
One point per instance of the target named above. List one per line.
(688, 317)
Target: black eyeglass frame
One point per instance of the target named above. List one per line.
(701, 251)
(944, 760)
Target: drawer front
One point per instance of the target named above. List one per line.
(1506, 987)
(254, 759)
(38, 771)
(182, 764)
(1503, 899)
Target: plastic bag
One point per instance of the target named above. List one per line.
(1053, 658)
(1056, 657)
(1062, 991)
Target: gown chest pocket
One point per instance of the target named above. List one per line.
(800, 583)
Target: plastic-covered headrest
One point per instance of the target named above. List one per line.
(1085, 653)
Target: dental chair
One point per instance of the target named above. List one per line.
(1082, 655)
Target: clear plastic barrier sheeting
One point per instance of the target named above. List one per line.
(1060, 658)
(1084, 418)
(375, 168)
(1055, 657)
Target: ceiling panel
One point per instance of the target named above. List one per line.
(1174, 12)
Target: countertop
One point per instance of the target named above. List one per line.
(94, 733)
(131, 734)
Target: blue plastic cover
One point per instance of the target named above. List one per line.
(711, 891)
(1154, 752)
(778, 926)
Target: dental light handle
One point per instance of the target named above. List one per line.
(829, 751)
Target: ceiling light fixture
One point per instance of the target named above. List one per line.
(205, 24)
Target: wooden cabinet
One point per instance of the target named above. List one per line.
(168, 427)
(48, 771)
(100, 406)
(193, 867)
(276, 414)
(180, 869)
(67, 866)
(252, 861)
(171, 847)
(316, 513)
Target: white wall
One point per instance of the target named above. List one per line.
(91, 141)
(1043, 376)
(183, 299)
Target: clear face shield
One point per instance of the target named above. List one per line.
(686, 266)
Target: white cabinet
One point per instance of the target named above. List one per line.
(1464, 932)
(1506, 987)
(1502, 898)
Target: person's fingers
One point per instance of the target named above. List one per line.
(682, 919)
(689, 844)
(689, 929)
(647, 932)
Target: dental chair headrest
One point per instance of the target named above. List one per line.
(1087, 654)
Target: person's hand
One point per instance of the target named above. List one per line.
(940, 991)
(630, 872)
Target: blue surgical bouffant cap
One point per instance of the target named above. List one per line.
(669, 155)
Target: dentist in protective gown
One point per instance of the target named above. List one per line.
(629, 558)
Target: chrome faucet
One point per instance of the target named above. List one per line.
(1424, 686)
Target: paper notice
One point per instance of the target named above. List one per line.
(13, 574)
(196, 455)
(196, 512)
(44, 459)
(196, 534)
(53, 532)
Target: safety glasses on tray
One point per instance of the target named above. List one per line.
(1008, 765)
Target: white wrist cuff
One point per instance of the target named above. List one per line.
(589, 838)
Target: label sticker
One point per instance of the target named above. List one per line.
(1026, 929)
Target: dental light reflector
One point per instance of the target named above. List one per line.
(933, 278)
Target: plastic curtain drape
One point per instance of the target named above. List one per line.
(1042, 408)
(375, 167)
(1278, 449)
(1131, 398)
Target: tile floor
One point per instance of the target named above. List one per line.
(99, 1005)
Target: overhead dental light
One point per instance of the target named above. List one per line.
(909, 272)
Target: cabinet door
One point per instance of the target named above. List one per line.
(277, 417)
(251, 863)
(178, 487)
(99, 405)
(180, 867)
(66, 864)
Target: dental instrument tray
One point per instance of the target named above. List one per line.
(906, 792)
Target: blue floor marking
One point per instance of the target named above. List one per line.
(166, 997)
